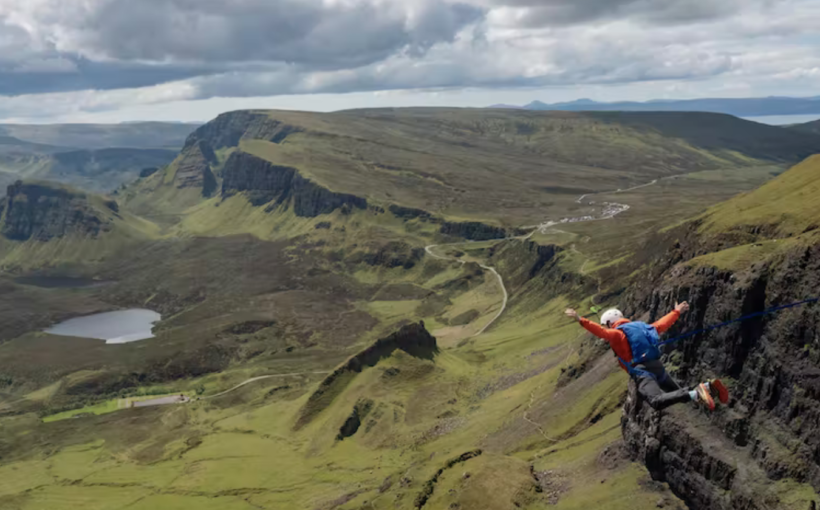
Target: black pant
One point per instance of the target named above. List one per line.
(657, 387)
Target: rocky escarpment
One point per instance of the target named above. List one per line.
(706, 472)
(43, 212)
(266, 183)
(229, 128)
(476, 231)
(198, 159)
(770, 431)
(194, 168)
(414, 339)
(390, 255)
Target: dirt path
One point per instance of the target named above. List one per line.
(181, 399)
(610, 211)
(534, 424)
(260, 378)
(429, 250)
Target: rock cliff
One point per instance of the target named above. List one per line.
(476, 231)
(414, 339)
(264, 182)
(770, 431)
(229, 128)
(42, 212)
(194, 167)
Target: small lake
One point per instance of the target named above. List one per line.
(118, 327)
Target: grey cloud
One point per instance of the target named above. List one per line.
(562, 12)
(304, 32)
(65, 73)
(128, 44)
(612, 66)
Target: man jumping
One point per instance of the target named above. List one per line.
(637, 346)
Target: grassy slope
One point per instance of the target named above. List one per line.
(240, 450)
(784, 211)
(549, 159)
(125, 230)
(790, 201)
(448, 161)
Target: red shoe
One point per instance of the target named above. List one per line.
(719, 389)
(705, 396)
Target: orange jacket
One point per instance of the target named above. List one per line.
(617, 338)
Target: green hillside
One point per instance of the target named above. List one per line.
(509, 167)
(353, 333)
(788, 203)
(44, 224)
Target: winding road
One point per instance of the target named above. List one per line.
(260, 378)
(609, 211)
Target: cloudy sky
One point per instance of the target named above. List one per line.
(122, 60)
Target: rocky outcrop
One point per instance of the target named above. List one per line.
(430, 485)
(391, 255)
(194, 168)
(413, 339)
(229, 128)
(409, 213)
(43, 212)
(704, 473)
(772, 363)
(476, 231)
(354, 421)
(265, 183)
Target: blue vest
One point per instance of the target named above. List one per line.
(643, 341)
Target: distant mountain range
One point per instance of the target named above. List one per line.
(746, 107)
(93, 157)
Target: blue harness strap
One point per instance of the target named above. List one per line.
(742, 319)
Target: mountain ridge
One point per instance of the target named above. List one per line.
(412, 157)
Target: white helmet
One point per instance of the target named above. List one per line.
(611, 316)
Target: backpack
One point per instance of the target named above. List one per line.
(643, 341)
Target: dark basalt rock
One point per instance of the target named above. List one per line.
(194, 168)
(35, 211)
(391, 255)
(773, 419)
(408, 213)
(229, 128)
(264, 182)
(413, 339)
(476, 231)
(354, 421)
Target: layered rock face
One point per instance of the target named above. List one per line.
(229, 128)
(194, 168)
(770, 431)
(264, 183)
(474, 231)
(197, 159)
(41, 212)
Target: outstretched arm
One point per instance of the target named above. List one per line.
(667, 321)
(608, 335)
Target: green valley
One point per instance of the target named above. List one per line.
(364, 310)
